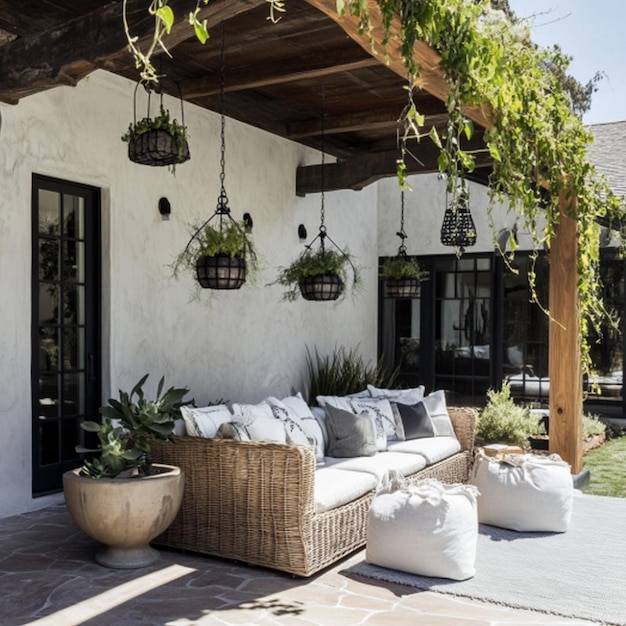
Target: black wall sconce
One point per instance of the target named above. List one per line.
(247, 222)
(302, 234)
(165, 208)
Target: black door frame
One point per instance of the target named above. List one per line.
(47, 476)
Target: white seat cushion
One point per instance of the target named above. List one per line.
(433, 449)
(334, 487)
(379, 464)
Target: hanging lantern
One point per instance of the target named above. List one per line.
(458, 229)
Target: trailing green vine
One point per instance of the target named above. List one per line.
(536, 140)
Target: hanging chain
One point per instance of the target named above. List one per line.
(222, 200)
(402, 233)
(323, 145)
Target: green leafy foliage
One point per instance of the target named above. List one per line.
(401, 267)
(318, 262)
(130, 426)
(228, 237)
(503, 421)
(344, 372)
(161, 122)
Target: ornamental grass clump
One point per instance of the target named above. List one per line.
(503, 421)
(343, 372)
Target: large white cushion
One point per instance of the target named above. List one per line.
(379, 464)
(204, 421)
(334, 487)
(429, 529)
(524, 492)
(339, 402)
(433, 449)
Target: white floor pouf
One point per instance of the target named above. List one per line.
(429, 529)
(524, 492)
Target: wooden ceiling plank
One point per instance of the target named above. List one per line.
(301, 68)
(354, 122)
(65, 54)
(431, 78)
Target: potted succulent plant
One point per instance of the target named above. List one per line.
(402, 275)
(320, 274)
(119, 497)
(157, 141)
(221, 256)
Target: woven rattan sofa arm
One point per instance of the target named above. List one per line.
(249, 501)
(464, 422)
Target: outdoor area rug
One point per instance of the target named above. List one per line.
(579, 574)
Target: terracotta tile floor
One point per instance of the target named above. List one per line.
(48, 577)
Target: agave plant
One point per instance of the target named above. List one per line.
(130, 426)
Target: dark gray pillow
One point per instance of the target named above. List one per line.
(349, 435)
(416, 420)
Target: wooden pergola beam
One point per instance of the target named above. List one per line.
(566, 393)
(363, 170)
(431, 78)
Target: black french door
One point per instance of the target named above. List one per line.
(65, 324)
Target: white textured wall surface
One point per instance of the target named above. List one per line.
(239, 346)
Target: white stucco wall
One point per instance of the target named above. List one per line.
(240, 346)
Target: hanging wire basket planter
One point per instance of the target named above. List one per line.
(157, 141)
(220, 252)
(402, 274)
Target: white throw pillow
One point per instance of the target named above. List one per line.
(386, 419)
(259, 421)
(310, 424)
(204, 421)
(428, 529)
(403, 396)
(290, 419)
(435, 402)
(524, 492)
(338, 402)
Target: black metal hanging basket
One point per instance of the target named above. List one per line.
(402, 288)
(458, 227)
(321, 288)
(164, 143)
(220, 272)
(158, 148)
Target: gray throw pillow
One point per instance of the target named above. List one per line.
(349, 435)
(416, 420)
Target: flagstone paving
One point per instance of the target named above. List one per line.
(48, 578)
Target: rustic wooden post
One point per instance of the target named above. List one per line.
(566, 394)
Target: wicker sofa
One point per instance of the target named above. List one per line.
(254, 501)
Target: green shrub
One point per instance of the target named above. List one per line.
(592, 426)
(503, 421)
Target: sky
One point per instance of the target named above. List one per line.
(591, 31)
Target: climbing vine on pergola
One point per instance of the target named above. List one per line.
(534, 138)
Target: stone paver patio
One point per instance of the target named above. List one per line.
(48, 578)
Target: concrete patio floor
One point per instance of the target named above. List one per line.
(48, 577)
